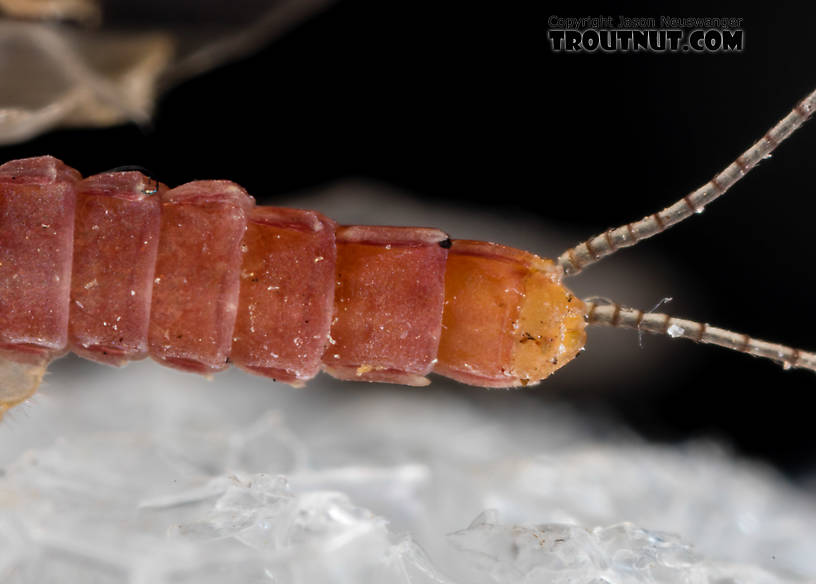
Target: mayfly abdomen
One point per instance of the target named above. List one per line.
(198, 277)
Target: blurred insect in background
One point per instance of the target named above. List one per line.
(117, 267)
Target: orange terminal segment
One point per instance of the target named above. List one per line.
(508, 320)
(115, 243)
(388, 304)
(195, 288)
(287, 294)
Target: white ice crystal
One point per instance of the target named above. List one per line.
(376, 486)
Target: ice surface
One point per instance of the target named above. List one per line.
(371, 485)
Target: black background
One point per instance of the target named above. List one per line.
(469, 104)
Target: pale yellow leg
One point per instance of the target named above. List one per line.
(18, 382)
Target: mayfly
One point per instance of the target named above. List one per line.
(117, 267)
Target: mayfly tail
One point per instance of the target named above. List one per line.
(611, 314)
(584, 254)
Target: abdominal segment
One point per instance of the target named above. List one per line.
(116, 238)
(388, 304)
(117, 267)
(286, 294)
(508, 320)
(37, 203)
(195, 284)
(36, 241)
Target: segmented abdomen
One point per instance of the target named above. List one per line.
(117, 267)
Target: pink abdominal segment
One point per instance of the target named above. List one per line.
(116, 238)
(37, 203)
(287, 294)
